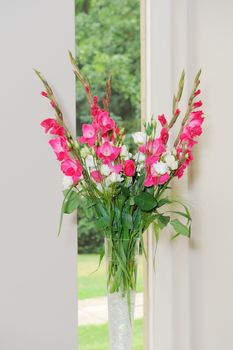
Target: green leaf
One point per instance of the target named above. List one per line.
(180, 213)
(100, 259)
(163, 201)
(71, 202)
(180, 228)
(156, 231)
(145, 201)
(163, 221)
(100, 223)
(66, 195)
(137, 219)
(127, 221)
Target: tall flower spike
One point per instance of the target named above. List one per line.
(108, 90)
(81, 78)
(176, 100)
(190, 106)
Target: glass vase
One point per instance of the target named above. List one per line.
(121, 263)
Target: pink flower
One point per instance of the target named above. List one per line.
(177, 112)
(52, 103)
(163, 178)
(73, 168)
(142, 148)
(197, 104)
(51, 125)
(129, 168)
(96, 175)
(116, 168)
(195, 123)
(162, 120)
(158, 147)
(188, 157)
(151, 160)
(186, 137)
(197, 92)
(95, 108)
(59, 145)
(89, 135)
(104, 122)
(180, 171)
(44, 94)
(164, 135)
(47, 124)
(107, 152)
(149, 181)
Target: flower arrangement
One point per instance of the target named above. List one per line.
(128, 192)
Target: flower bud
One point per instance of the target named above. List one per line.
(44, 94)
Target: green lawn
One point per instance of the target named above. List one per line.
(93, 284)
(96, 337)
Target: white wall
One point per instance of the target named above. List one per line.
(37, 269)
(193, 289)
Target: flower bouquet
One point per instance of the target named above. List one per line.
(127, 192)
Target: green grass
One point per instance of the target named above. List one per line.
(96, 337)
(93, 285)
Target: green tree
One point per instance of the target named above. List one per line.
(108, 42)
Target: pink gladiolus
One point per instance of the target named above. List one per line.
(149, 181)
(197, 104)
(158, 147)
(195, 123)
(104, 122)
(151, 160)
(162, 120)
(89, 135)
(164, 135)
(186, 137)
(44, 94)
(163, 178)
(73, 168)
(116, 168)
(188, 157)
(51, 125)
(96, 175)
(95, 108)
(129, 168)
(59, 145)
(180, 171)
(47, 124)
(107, 152)
(177, 112)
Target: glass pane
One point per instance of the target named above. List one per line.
(107, 43)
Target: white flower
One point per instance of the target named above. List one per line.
(99, 187)
(139, 157)
(113, 178)
(125, 153)
(67, 182)
(160, 168)
(105, 170)
(174, 152)
(90, 161)
(172, 163)
(85, 152)
(139, 137)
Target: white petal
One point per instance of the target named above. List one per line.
(139, 137)
(67, 182)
